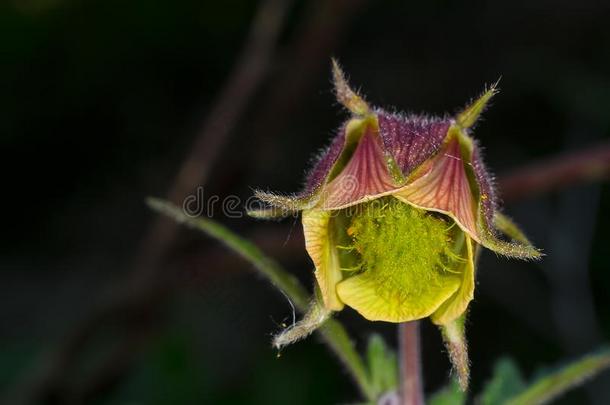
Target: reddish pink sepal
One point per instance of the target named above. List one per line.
(442, 186)
(365, 176)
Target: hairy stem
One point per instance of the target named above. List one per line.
(333, 333)
(411, 380)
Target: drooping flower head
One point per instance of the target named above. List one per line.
(394, 212)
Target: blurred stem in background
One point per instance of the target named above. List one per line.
(243, 81)
(148, 284)
(585, 166)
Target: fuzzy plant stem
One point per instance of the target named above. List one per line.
(411, 380)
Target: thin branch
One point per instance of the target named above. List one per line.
(316, 40)
(409, 349)
(242, 83)
(591, 164)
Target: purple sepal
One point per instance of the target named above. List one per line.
(317, 175)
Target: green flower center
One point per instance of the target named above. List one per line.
(402, 258)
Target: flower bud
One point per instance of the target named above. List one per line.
(394, 213)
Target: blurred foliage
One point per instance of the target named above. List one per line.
(449, 395)
(505, 382)
(170, 373)
(383, 365)
(508, 387)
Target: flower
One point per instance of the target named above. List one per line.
(394, 213)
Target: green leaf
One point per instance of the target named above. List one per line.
(452, 394)
(556, 383)
(333, 333)
(505, 382)
(383, 365)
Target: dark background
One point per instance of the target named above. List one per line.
(100, 103)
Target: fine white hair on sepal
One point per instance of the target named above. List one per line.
(316, 315)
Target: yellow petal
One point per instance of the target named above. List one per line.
(455, 306)
(323, 252)
(397, 296)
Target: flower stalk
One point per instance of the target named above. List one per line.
(411, 378)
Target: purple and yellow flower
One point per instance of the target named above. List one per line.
(394, 212)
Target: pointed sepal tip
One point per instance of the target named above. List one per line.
(469, 116)
(345, 95)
